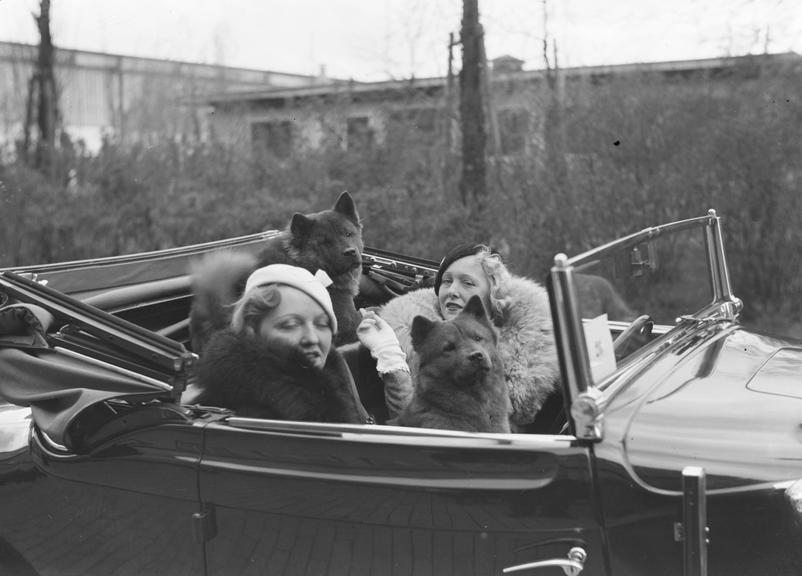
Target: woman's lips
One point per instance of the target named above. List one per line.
(453, 307)
(313, 356)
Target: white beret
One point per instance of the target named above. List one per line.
(312, 285)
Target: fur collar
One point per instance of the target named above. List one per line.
(526, 341)
(237, 371)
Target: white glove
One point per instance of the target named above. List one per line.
(376, 335)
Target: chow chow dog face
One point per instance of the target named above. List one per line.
(460, 350)
(460, 382)
(330, 240)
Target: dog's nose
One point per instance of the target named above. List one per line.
(476, 356)
(350, 252)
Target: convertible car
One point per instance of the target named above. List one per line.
(677, 447)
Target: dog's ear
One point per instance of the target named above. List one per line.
(301, 226)
(475, 308)
(345, 206)
(421, 327)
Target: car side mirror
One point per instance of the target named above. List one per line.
(638, 261)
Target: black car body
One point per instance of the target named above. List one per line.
(680, 449)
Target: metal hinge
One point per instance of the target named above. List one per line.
(693, 530)
(204, 527)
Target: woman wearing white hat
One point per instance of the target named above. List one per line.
(276, 359)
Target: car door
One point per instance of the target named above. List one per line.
(298, 498)
(125, 509)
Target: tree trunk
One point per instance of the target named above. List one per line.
(43, 97)
(473, 185)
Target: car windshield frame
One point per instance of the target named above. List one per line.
(583, 394)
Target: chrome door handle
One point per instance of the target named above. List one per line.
(572, 565)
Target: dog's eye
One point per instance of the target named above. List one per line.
(449, 347)
(478, 338)
(348, 234)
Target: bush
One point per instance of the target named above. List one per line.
(623, 155)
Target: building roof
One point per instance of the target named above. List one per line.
(87, 59)
(375, 89)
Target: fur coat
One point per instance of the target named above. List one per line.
(525, 344)
(237, 371)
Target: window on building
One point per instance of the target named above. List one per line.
(360, 134)
(513, 128)
(412, 125)
(275, 137)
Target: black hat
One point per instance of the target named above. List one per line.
(460, 251)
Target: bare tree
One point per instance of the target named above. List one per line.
(554, 124)
(42, 106)
(473, 182)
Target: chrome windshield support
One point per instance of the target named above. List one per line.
(572, 349)
(720, 276)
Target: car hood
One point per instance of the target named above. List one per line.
(732, 405)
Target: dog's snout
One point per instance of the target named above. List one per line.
(476, 356)
(350, 252)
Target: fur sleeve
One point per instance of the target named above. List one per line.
(528, 349)
(398, 391)
(345, 403)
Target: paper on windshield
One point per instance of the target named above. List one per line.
(599, 342)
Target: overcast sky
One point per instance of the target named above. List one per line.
(381, 39)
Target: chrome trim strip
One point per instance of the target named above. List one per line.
(140, 256)
(473, 482)
(404, 435)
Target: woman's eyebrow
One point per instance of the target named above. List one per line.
(288, 316)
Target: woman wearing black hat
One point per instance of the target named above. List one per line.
(519, 309)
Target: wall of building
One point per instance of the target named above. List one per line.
(123, 96)
(519, 104)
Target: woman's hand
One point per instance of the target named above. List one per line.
(374, 332)
(377, 336)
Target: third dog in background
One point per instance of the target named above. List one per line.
(330, 240)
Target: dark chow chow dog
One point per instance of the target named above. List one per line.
(330, 240)
(461, 378)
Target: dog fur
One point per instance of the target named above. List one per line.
(330, 240)
(526, 344)
(460, 384)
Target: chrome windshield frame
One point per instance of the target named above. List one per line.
(583, 396)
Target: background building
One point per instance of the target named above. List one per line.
(280, 120)
(123, 96)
